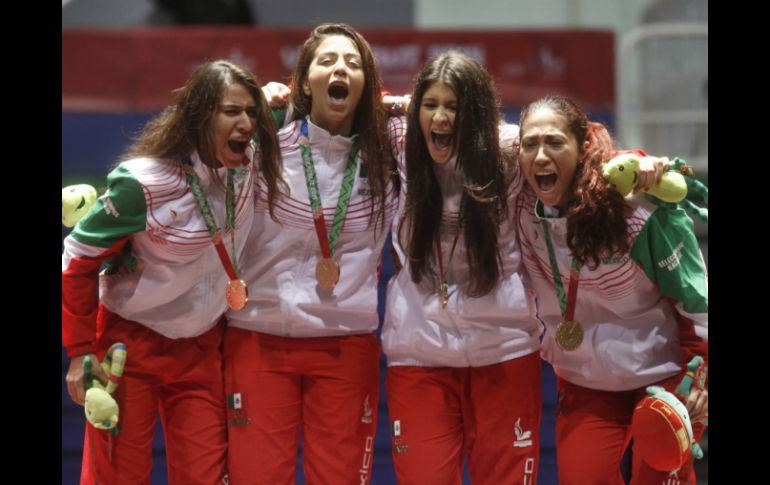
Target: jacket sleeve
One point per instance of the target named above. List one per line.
(668, 251)
(103, 232)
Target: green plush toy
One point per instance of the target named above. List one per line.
(75, 202)
(677, 183)
(100, 407)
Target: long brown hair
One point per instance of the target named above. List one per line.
(187, 124)
(596, 213)
(487, 173)
(370, 121)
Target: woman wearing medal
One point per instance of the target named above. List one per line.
(461, 340)
(621, 288)
(171, 229)
(303, 354)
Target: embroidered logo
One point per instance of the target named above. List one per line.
(234, 400)
(109, 208)
(398, 441)
(671, 262)
(235, 410)
(367, 417)
(522, 437)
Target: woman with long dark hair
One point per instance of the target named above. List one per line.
(171, 229)
(304, 355)
(461, 341)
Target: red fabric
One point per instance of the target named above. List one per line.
(327, 386)
(660, 435)
(638, 151)
(490, 413)
(593, 430)
(80, 301)
(182, 379)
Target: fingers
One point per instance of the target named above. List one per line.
(661, 167)
(276, 94)
(76, 390)
(698, 404)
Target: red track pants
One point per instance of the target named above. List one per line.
(180, 377)
(593, 430)
(327, 386)
(492, 413)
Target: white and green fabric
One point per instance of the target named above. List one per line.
(161, 268)
(636, 310)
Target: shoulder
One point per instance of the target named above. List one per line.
(509, 135)
(149, 170)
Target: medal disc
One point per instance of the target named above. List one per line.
(443, 293)
(327, 273)
(569, 335)
(236, 294)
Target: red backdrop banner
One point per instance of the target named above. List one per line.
(137, 70)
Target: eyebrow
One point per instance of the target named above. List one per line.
(335, 54)
(237, 105)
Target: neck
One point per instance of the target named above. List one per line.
(213, 162)
(342, 127)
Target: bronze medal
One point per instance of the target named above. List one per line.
(327, 273)
(236, 294)
(569, 335)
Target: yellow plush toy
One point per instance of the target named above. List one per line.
(100, 407)
(75, 202)
(622, 172)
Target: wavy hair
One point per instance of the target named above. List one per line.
(596, 213)
(487, 172)
(370, 120)
(187, 124)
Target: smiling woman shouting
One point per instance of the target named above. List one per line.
(304, 353)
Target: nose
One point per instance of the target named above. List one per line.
(341, 67)
(441, 116)
(245, 123)
(540, 156)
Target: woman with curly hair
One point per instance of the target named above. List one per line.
(621, 288)
(461, 339)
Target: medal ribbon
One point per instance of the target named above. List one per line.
(460, 223)
(211, 224)
(327, 243)
(566, 301)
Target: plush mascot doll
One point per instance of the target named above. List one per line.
(677, 183)
(661, 425)
(75, 202)
(100, 407)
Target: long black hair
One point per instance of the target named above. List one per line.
(486, 169)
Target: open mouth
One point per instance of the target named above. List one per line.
(546, 181)
(338, 92)
(237, 146)
(442, 141)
